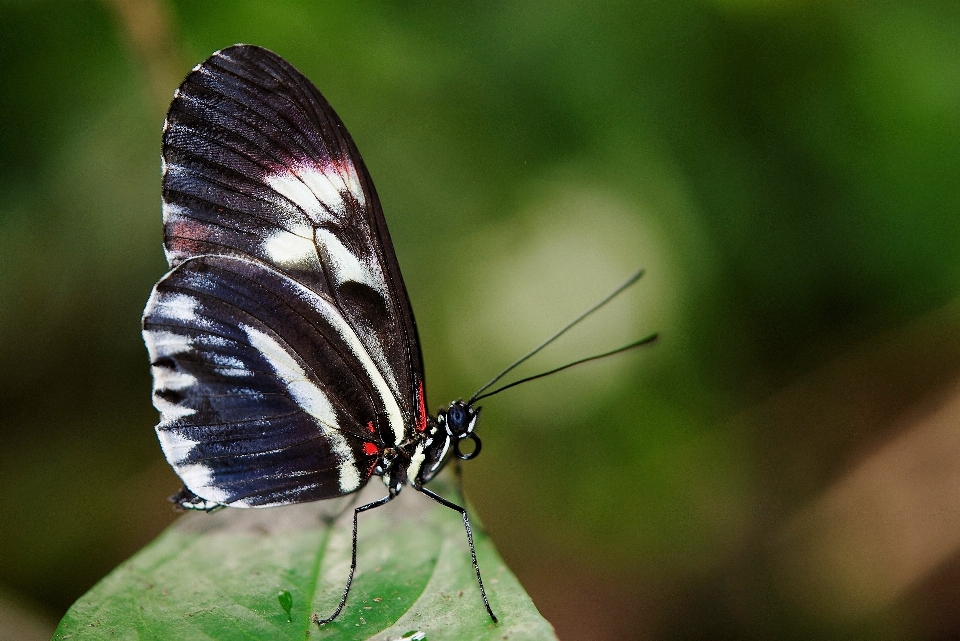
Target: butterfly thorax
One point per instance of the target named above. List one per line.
(418, 459)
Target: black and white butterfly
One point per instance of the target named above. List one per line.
(283, 346)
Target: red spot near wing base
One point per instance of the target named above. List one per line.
(370, 449)
(185, 237)
(422, 410)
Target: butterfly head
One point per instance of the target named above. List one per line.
(458, 421)
(452, 426)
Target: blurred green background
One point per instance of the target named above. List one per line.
(785, 463)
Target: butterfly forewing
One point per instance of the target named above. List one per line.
(283, 343)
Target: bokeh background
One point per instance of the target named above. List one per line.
(784, 464)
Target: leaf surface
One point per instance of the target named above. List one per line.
(262, 574)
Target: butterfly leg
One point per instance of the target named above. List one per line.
(473, 552)
(353, 562)
(458, 474)
(330, 519)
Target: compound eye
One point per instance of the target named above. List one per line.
(459, 419)
(456, 417)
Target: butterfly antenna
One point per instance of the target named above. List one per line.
(630, 281)
(643, 341)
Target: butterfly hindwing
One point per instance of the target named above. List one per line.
(258, 165)
(245, 419)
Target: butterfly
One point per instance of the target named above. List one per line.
(283, 346)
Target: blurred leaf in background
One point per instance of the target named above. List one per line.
(785, 170)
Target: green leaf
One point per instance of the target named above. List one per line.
(262, 574)
(286, 602)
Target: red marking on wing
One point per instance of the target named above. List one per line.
(370, 428)
(422, 413)
(370, 449)
(187, 236)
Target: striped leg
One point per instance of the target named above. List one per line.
(473, 553)
(458, 473)
(353, 562)
(330, 519)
